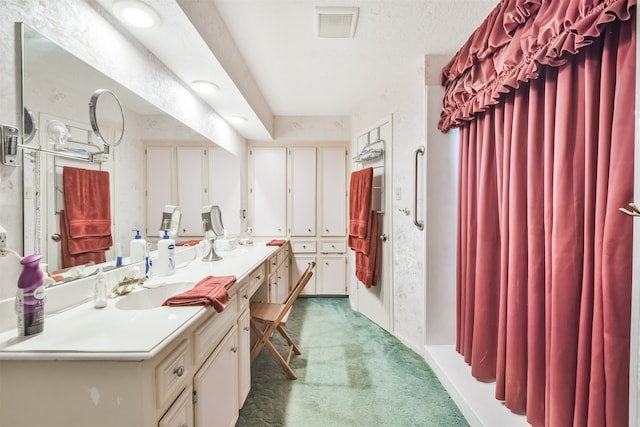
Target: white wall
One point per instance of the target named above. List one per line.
(88, 32)
(404, 98)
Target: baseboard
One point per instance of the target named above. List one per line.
(417, 349)
(476, 400)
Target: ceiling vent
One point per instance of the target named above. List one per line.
(336, 22)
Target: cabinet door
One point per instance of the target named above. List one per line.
(244, 357)
(268, 191)
(333, 275)
(180, 414)
(225, 187)
(302, 191)
(160, 186)
(192, 191)
(333, 191)
(279, 283)
(216, 385)
(300, 263)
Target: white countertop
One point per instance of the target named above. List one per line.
(112, 333)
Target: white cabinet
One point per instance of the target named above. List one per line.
(192, 177)
(181, 412)
(268, 191)
(216, 385)
(332, 190)
(332, 275)
(160, 186)
(244, 357)
(302, 191)
(299, 265)
(192, 190)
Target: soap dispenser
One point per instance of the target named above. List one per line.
(137, 248)
(165, 265)
(30, 297)
(100, 290)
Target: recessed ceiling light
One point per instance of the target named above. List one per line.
(237, 119)
(136, 13)
(204, 87)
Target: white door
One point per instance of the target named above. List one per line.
(225, 187)
(268, 191)
(302, 191)
(333, 269)
(299, 265)
(216, 385)
(333, 191)
(160, 187)
(82, 138)
(376, 302)
(192, 192)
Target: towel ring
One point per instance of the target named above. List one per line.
(110, 113)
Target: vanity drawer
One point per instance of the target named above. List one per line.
(335, 247)
(304, 246)
(243, 296)
(209, 334)
(256, 278)
(282, 255)
(172, 375)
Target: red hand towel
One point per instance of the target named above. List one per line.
(188, 243)
(80, 251)
(368, 265)
(276, 242)
(87, 202)
(212, 290)
(360, 201)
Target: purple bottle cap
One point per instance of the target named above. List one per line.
(30, 259)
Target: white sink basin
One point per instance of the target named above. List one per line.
(146, 299)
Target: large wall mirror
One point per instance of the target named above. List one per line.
(57, 89)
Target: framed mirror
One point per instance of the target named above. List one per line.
(57, 86)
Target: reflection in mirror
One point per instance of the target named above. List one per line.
(56, 87)
(213, 228)
(105, 109)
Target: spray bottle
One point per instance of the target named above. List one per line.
(30, 297)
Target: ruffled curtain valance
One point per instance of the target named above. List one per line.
(511, 44)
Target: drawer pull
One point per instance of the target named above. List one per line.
(246, 329)
(259, 277)
(234, 349)
(245, 296)
(179, 371)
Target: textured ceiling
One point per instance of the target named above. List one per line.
(300, 74)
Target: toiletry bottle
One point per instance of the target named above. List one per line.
(30, 297)
(100, 290)
(137, 248)
(165, 264)
(118, 255)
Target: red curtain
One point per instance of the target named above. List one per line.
(544, 255)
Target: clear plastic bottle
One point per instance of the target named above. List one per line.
(137, 248)
(100, 290)
(165, 264)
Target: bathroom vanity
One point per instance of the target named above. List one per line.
(136, 363)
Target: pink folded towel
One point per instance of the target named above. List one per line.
(212, 290)
(275, 242)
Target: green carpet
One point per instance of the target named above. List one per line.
(351, 373)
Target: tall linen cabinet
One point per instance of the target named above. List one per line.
(300, 193)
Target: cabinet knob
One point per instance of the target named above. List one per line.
(245, 296)
(309, 230)
(234, 349)
(326, 229)
(179, 371)
(246, 328)
(259, 277)
(304, 246)
(56, 237)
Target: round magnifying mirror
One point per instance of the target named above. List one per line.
(105, 112)
(29, 128)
